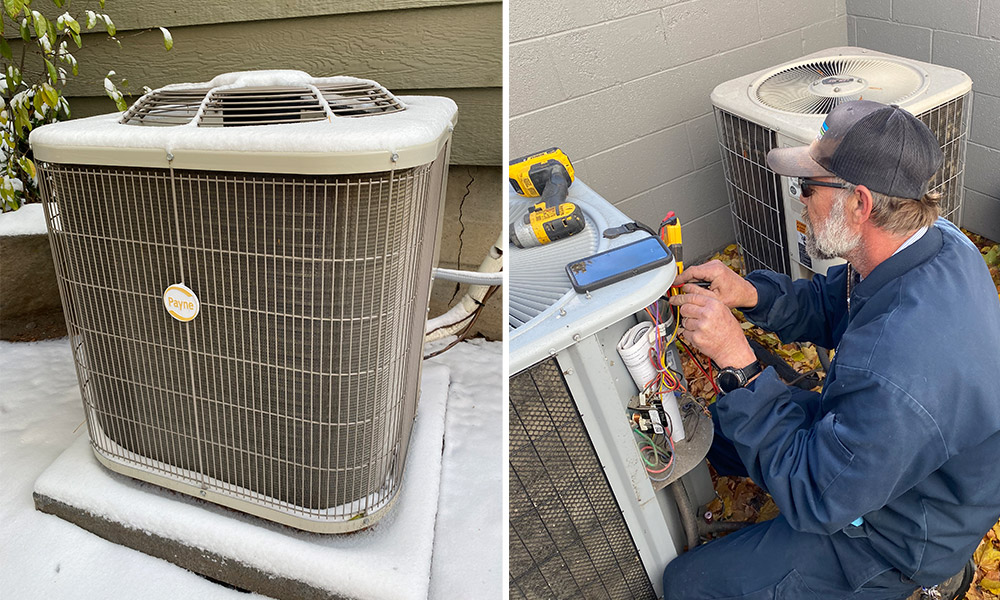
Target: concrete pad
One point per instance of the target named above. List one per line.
(390, 560)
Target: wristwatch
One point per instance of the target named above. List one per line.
(730, 379)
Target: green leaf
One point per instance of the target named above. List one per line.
(91, 19)
(40, 22)
(25, 33)
(53, 74)
(168, 40)
(109, 25)
(59, 3)
(51, 95)
(13, 77)
(28, 166)
(13, 7)
(993, 256)
(76, 39)
(38, 102)
(71, 23)
(5, 49)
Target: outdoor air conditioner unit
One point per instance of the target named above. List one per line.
(785, 106)
(245, 267)
(585, 519)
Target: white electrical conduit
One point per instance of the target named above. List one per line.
(489, 274)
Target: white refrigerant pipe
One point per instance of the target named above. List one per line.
(490, 273)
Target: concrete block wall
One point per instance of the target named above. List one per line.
(623, 87)
(964, 34)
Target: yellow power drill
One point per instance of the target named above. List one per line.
(547, 174)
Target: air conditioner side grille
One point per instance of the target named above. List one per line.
(293, 388)
(949, 123)
(568, 538)
(754, 193)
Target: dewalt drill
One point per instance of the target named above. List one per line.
(547, 174)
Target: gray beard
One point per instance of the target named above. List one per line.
(836, 240)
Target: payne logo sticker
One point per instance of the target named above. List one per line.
(181, 302)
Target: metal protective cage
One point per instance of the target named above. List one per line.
(292, 394)
(568, 538)
(756, 194)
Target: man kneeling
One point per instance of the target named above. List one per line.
(889, 478)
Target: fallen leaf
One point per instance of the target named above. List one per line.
(990, 585)
(768, 511)
(986, 556)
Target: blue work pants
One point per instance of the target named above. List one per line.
(772, 561)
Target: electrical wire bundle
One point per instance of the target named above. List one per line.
(659, 461)
(666, 380)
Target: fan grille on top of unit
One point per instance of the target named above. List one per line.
(538, 275)
(359, 100)
(165, 108)
(235, 107)
(819, 86)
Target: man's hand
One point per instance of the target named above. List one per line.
(708, 325)
(731, 289)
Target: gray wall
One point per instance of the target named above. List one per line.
(623, 87)
(964, 34)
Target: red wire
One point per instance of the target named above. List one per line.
(701, 368)
(670, 462)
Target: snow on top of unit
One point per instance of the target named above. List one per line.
(27, 220)
(264, 78)
(425, 119)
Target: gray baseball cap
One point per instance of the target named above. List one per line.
(881, 147)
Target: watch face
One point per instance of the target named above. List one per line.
(728, 380)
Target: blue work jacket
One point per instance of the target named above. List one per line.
(902, 447)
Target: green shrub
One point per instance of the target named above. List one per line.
(32, 82)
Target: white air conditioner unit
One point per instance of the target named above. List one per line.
(785, 106)
(585, 519)
(245, 269)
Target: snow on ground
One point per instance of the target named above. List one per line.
(45, 557)
(469, 564)
(28, 220)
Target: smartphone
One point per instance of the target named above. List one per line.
(611, 266)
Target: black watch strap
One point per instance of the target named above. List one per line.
(730, 379)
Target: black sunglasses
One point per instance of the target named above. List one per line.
(805, 186)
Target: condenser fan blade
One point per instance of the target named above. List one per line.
(818, 86)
